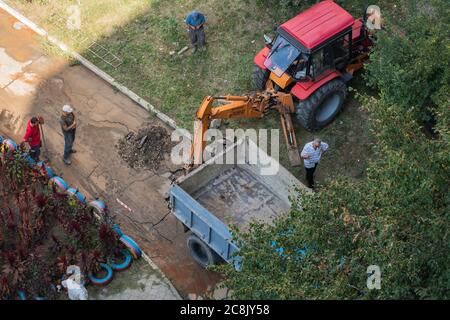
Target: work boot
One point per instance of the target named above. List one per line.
(194, 49)
(73, 151)
(67, 162)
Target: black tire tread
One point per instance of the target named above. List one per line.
(259, 78)
(305, 109)
(213, 257)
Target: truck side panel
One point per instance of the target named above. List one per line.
(203, 223)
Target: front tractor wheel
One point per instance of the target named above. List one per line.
(259, 78)
(322, 106)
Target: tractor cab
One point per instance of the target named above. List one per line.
(321, 44)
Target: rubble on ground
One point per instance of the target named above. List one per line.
(146, 148)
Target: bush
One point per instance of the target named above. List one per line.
(42, 232)
(412, 57)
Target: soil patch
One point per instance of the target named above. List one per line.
(145, 149)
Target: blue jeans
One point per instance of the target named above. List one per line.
(69, 138)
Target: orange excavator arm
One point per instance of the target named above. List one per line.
(241, 107)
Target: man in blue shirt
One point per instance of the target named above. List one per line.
(195, 22)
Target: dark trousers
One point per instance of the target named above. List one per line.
(310, 176)
(69, 139)
(197, 37)
(35, 152)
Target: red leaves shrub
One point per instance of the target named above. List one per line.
(42, 233)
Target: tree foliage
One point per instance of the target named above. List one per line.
(398, 216)
(410, 65)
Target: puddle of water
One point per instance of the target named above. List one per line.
(12, 76)
(18, 25)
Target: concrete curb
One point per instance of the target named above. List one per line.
(133, 96)
(154, 266)
(86, 63)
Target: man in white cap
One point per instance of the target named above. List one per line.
(68, 126)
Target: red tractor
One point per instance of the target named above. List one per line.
(312, 57)
(302, 73)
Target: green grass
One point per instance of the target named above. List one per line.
(144, 32)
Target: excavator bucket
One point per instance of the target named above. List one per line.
(294, 157)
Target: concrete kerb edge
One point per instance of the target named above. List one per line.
(141, 102)
(154, 266)
(53, 40)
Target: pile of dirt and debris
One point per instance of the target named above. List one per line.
(146, 148)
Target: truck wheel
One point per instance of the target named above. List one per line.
(259, 78)
(201, 253)
(322, 106)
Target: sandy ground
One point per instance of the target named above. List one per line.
(32, 83)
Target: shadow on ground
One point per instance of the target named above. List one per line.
(33, 83)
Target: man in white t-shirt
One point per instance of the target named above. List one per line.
(311, 153)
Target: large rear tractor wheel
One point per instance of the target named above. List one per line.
(322, 106)
(259, 78)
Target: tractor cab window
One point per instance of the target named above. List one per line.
(299, 70)
(322, 61)
(281, 56)
(333, 56)
(341, 51)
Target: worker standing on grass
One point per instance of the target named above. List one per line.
(33, 138)
(311, 153)
(68, 126)
(195, 22)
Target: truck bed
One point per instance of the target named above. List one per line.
(213, 197)
(236, 196)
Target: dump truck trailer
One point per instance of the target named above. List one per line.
(214, 197)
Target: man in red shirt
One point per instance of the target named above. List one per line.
(33, 137)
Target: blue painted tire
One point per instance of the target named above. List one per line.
(10, 145)
(106, 279)
(59, 183)
(39, 298)
(48, 170)
(21, 295)
(125, 264)
(28, 158)
(1, 139)
(131, 246)
(117, 229)
(78, 196)
(98, 207)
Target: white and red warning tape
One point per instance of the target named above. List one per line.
(124, 205)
